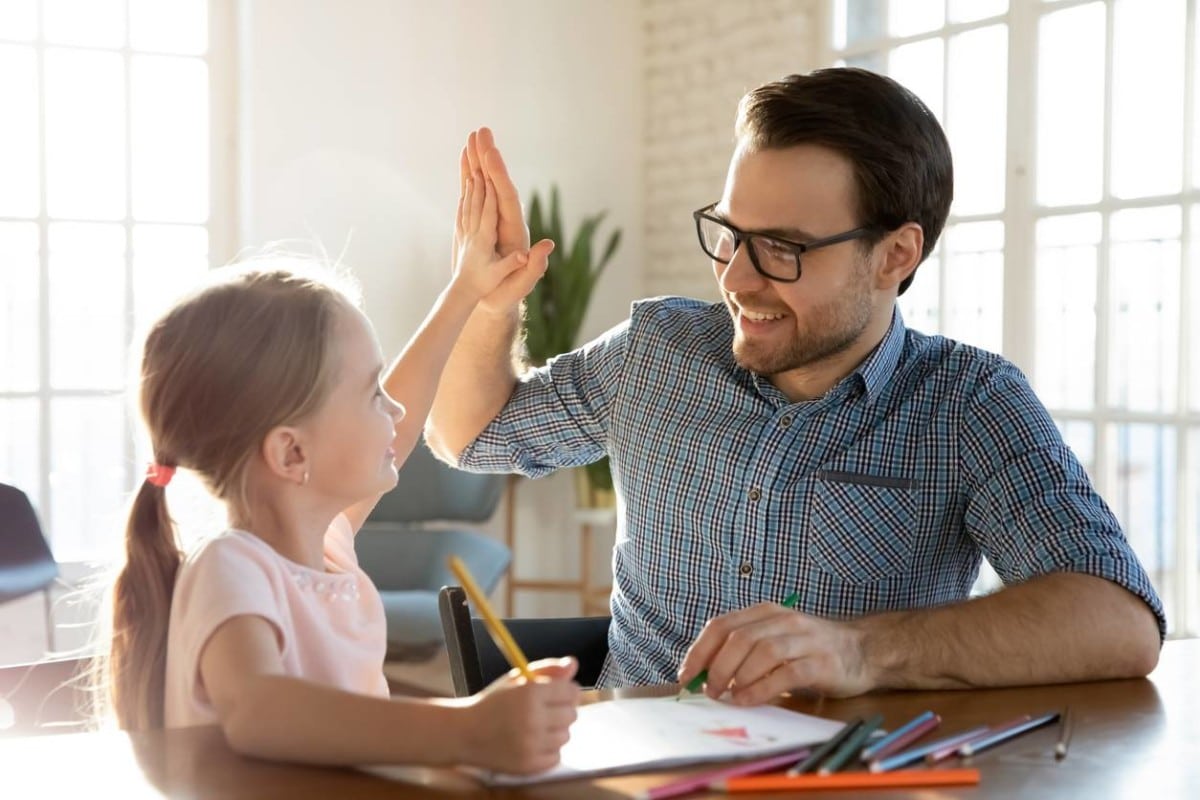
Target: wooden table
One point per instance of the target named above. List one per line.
(1137, 738)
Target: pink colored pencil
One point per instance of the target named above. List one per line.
(951, 749)
(695, 783)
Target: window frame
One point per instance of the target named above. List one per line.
(221, 227)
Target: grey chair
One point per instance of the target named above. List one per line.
(26, 563)
(475, 661)
(405, 542)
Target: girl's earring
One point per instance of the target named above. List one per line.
(304, 480)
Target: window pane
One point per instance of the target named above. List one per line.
(1194, 313)
(1147, 117)
(858, 21)
(876, 61)
(170, 139)
(18, 20)
(919, 304)
(87, 306)
(971, 10)
(100, 23)
(977, 79)
(87, 476)
(1144, 307)
(85, 91)
(1193, 503)
(1067, 249)
(19, 306)
(19, 195)
(1144, 499)
(1080, 437)
(974, 278)
(919, 67)
(916, 16)
(1070, 105)
(168, 260)
(180, 26)
(20, 465)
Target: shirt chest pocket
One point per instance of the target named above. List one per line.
(862, 526)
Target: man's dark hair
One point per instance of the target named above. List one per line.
(901, 159)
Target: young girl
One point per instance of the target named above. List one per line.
(266, 384)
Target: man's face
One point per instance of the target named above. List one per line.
(799, 193)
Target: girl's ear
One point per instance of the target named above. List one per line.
(901, 255)
(285, 455)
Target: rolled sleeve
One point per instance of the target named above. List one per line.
(1031, 506)
(558, 415)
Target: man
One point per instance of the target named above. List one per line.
(798, 438)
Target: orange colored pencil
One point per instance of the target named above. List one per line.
(850, 780)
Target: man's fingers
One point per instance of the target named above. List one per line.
(464, 170)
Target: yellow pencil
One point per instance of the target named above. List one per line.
(500, 634)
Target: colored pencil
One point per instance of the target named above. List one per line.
(951, 749)
(909, 732)
(999, 737)
(851, 747)
(508, 646)
(917, 753)
(852, 780)
(697, 683)
(1064, 734)
(694, 783)
(823, 751)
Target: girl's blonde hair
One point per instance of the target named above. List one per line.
(245, 354)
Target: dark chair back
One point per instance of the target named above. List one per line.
(475, 661)
(44, 697)
(26, 563)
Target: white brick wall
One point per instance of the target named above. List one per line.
(701, 56)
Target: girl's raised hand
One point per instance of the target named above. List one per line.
(477, 267)
(519, 726)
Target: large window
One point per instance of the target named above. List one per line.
(106, 187)
(1072, 244)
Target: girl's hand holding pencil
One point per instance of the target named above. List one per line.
(519, 725)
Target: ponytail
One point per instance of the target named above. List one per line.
(142, 610)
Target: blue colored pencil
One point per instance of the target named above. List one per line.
(973, 747)
(908, 732)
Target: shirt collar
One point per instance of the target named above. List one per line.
(878, 367)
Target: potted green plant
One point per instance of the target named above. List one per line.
(554, 310)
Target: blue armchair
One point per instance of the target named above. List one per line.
(404, 544)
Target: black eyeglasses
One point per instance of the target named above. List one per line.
(774, 258)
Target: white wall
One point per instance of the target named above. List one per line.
(352, 114)
(701, 56)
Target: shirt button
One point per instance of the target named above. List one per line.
(745, 569)
(755, 494)
(786, 422)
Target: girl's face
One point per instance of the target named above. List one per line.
(350, 435)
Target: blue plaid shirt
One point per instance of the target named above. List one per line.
(882, 494)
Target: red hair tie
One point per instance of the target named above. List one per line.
(159, 475)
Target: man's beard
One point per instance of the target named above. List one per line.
(831, 329)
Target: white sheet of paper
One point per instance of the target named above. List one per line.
(638, 734)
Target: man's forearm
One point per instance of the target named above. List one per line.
(478, 380)
(1056, 628)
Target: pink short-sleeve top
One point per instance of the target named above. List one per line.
(329, 623)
